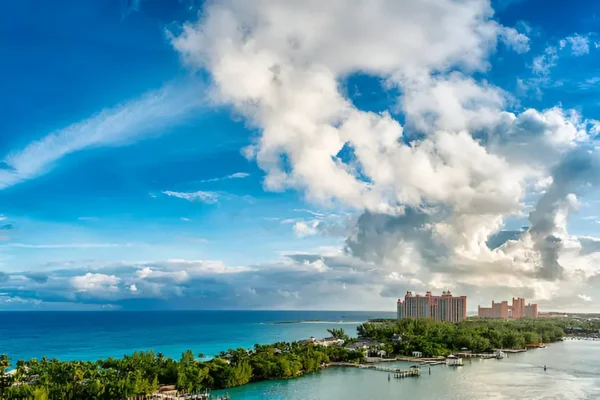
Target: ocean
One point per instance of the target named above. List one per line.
(573, 367)
(94, 335)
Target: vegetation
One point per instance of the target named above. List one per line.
(434, 338)
(142, 373)
(338, 334)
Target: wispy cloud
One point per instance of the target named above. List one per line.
(591, 83)
(237, 175)
(64, 245)
(113, 126)
(316, 214)
(543, 63)
(204, 197)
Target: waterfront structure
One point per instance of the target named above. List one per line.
(454, 361)
(502, 310)
(440, 308)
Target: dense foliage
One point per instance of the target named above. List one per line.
(142, 373)
(434, 338)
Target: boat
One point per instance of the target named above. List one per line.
(500, 354)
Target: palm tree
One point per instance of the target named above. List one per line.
(338, 333)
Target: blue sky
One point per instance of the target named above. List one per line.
(127, 180)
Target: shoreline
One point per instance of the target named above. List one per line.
(287, 360)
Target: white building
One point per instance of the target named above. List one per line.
(329, 341)
(454, 361)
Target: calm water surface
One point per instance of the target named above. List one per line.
(93, 335)
(573, 373)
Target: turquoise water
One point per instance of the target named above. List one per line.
(573, 373)
(573, 367)
(94, 335)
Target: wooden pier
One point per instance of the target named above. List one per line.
(398, 373)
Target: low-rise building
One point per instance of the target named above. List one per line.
(363, 344)
(329, 341)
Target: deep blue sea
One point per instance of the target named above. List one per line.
(93, 335)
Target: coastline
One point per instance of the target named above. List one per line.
(519, 376)
(390, 341)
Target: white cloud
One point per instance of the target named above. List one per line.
(433, 199)
(176, 276)
(584, 297)
(543, 63)
(519, 42)
(429, 192)
(237, 175)
(579, 44)
(204, 197)
(95, 283)
(302, 229)
(117, 126)
(133, 288)
(316, 214)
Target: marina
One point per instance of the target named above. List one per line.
(397, 372)
(484, 378)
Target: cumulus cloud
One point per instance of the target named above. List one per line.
(433, 190)
(95, 283)
(424, 194)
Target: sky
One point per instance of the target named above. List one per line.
(298, 155)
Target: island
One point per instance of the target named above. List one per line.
(145, 373)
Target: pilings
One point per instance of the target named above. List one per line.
(407, 373)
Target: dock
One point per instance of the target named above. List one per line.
(398, 373)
